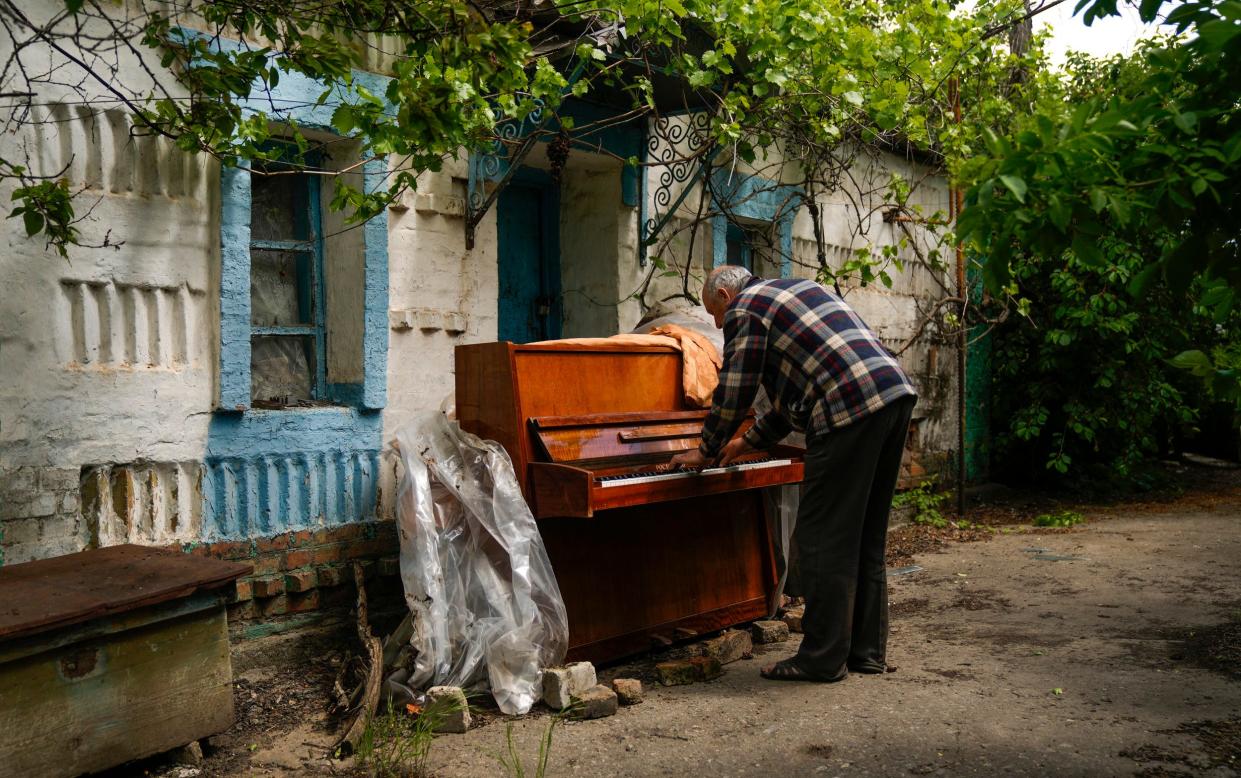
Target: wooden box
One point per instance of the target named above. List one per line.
(111, 655)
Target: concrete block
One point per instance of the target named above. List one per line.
(628, 690)
(445, 205)
(60, 479)
(19, 479)
(581, 677)
(30, 507)
(20, 532)
(793, 617)
(595, 703)
(562, 684)
(449, 706)
(69, 502)
(728, 647)
(401, 320)
(190, 753)
(770, 631)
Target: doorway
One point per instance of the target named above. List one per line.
(528, 233)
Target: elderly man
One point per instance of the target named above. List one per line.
(827, 374)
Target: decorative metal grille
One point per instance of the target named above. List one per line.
(680, 146)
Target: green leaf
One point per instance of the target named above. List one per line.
(1195, 362)
(1016, 186)
(1087, 250)
(34, 222)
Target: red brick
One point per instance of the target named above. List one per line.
(300, 603)
(242, 611)
(297, 558)
(326, 554)
(300, 581)
(268, 587)
(266, 565)
(301, 538)
(244, 590)
(277, 543)
(276, 606)
(332, 575)
(369, 549)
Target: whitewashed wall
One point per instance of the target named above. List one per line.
(109, 359)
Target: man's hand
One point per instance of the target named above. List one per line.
(736, 448)
(691, 458)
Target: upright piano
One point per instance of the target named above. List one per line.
(643, 554)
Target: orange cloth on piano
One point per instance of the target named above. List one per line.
(700, 359)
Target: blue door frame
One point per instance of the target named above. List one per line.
(528, 233)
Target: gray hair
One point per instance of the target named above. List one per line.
(730, 277)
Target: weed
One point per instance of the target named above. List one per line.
(925, 503)
(511, 759)
(1061, 519)
(397, 745)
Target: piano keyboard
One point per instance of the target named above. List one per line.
(647, 476)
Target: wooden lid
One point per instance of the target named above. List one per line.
(70, 589)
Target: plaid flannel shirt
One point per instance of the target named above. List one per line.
(822, 367)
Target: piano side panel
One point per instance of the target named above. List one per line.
(486, 398)
(632, 573)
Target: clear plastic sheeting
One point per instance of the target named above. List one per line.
(483, 598)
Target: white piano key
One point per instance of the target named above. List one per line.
(628, 480)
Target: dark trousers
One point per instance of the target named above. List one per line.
(841, 535)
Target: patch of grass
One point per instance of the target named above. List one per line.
(925, 503)
(1059, 519)
(511, 761)
(397, 744)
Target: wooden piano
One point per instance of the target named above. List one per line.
(643, 554)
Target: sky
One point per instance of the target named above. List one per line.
(1113, 35)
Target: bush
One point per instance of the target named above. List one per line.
(925, 503)
(1060, 519)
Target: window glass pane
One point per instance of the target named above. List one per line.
(278, 204)
(280, 370)
(280, 288)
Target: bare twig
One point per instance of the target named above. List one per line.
(348, 742)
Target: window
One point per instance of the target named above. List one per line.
(743, 245)
(754, 223)
(287, 341)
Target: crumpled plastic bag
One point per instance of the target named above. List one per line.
(484, 600)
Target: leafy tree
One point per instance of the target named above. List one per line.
(1150, 162)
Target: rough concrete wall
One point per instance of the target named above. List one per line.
(107, 356)
(440, 295)
(589, 251)
(109, 360)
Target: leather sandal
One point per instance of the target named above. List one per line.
(787, 670)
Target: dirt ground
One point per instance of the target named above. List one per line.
(1112, 648)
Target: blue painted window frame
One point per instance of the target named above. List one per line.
(756, 199)
(310, 284)
(298, 99)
